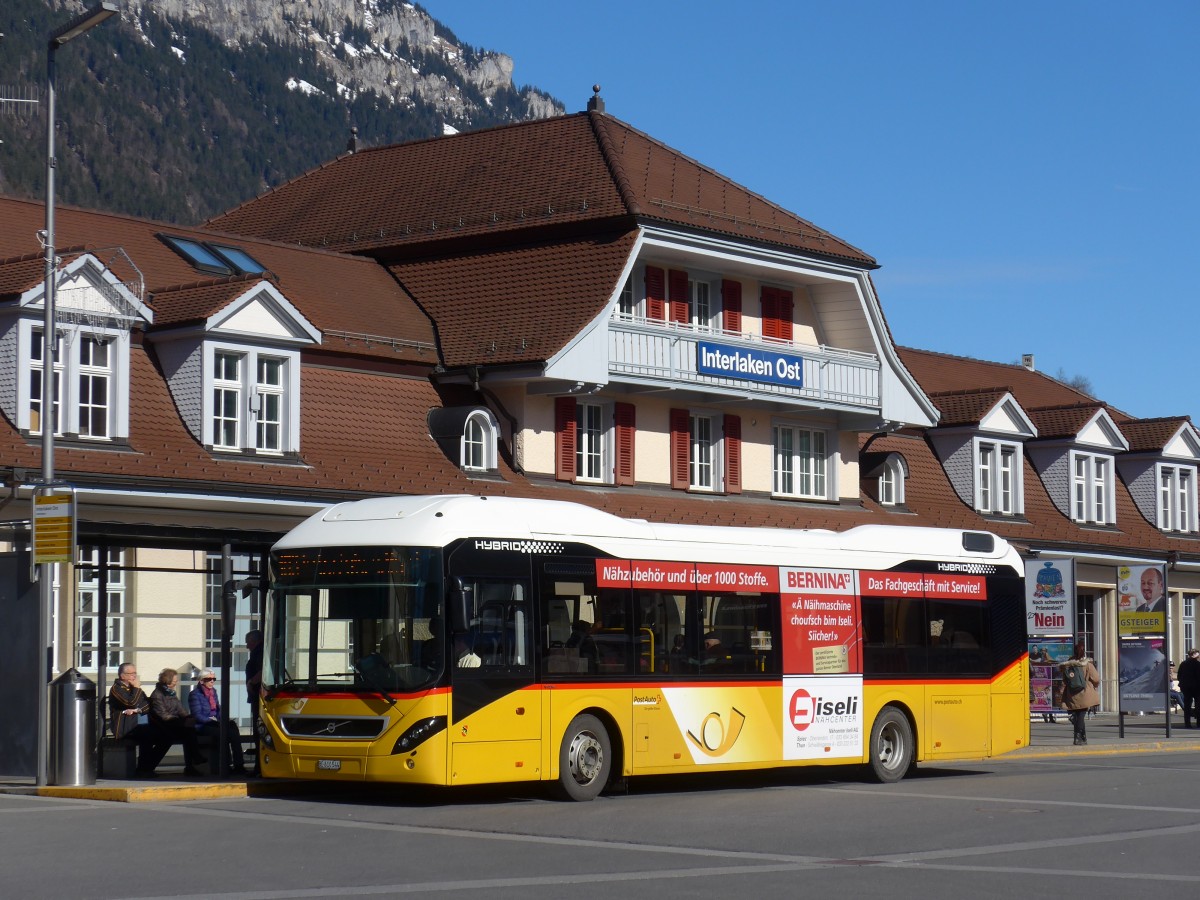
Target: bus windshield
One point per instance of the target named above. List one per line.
(367, 619)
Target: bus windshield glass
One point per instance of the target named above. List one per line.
(366, 619)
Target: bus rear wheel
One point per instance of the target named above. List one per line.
(585, 759)
(893, 750)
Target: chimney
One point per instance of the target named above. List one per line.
(1027, 362)
(352, 144)
(595, 102)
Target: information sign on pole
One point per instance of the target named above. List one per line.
(54, 525)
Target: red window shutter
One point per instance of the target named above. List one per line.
(681, 439)
(680, 299)
(731, 305)
(777, 309)
(564, 438)
(733, 454)
(624, 414)
(656, 293)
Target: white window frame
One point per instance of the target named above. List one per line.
(891, 484)
(628, 303)
(88, 644)
(479, 441)
(799, 471)
(593, 442)
(703, 287)
(705, 469)
(227, 419)
(1176, 497)
(998, 483)
(252, 400)
(268, 409)
(69, 372)
(1092, 498)
(95, 374)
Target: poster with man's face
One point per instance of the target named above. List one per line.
(1142, 600)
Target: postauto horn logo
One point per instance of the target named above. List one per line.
(807, 709)
(715, 738)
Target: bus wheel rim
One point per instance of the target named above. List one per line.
(586, 757)
(891, 748)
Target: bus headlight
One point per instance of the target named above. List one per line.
(265, 736)
(419, 734)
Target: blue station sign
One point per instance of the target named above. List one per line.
(749, 363)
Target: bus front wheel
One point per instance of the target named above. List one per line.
(585, 760)
(893, 749)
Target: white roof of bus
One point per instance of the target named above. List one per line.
(434, 521)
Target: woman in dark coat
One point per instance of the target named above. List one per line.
(168, 713)
(1078, 702)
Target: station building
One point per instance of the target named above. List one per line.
(565, 308)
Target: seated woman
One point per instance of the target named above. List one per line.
(206, 710)
(177, 725)
(129, 708)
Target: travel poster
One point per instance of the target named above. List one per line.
(1143, 672)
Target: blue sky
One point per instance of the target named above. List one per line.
(1025, 173)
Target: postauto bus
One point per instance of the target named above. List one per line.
(456, 640)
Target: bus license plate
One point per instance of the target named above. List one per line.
(333, 765)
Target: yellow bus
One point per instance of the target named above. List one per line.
(455, 640)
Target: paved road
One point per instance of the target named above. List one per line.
(1107, 824)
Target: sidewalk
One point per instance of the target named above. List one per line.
(1143, 734)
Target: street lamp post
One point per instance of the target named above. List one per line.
(61, 35)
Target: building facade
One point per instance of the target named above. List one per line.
(561, 309)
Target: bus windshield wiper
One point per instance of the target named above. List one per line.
(369, 678)
(274, 689)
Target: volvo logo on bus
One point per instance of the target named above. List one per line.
(807, 709)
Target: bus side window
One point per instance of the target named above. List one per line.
(501, 635)
(659, 638)
(894, 639)
(744, 627)
(960, 643)
(568, 607)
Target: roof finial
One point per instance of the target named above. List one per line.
(352, 144)
(595, 102)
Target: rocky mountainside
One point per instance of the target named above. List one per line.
(183, 108)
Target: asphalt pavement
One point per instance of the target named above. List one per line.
(1048, 739)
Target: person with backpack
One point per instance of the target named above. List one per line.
(1080, 680)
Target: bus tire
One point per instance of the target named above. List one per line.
(893, 749)
(585, 759)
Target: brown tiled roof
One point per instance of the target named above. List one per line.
(1152, 435)
(340, 294)
(199, 300)
(516, 305)
(966, 407)
(567, 172)
(941, 372)
(1067, 421)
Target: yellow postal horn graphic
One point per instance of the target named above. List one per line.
(725, 739)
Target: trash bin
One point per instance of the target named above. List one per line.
(72, 729)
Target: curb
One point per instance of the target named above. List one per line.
(1101, 750)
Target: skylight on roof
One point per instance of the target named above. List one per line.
(216, 259)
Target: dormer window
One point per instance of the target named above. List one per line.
(88, 367)
(479, 440)
(998, 478)
(1176, 498)
(253, 400)
(1092, 491)
(891, 483)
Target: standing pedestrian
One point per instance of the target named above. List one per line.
(1189, 686)
(1080, 680)
(254, 663)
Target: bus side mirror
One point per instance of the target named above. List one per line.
(462, 603)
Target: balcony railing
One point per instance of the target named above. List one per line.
(654, 352)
